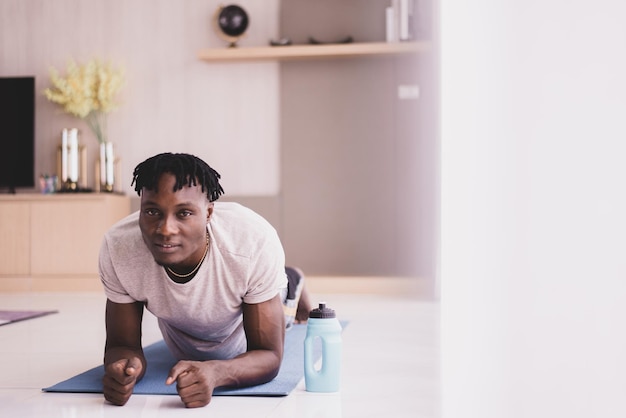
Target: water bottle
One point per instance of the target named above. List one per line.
(323, 325)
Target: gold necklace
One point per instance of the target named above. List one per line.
(184, 276)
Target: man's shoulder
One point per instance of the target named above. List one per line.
(231, 206)
(236, 212)
(239, 228)
(125, 227)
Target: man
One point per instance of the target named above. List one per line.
(212, 273)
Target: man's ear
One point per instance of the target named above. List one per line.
(209, 212)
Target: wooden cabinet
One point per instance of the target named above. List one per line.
(15, 232)
(51, 242)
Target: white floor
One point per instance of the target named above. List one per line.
(390, 363)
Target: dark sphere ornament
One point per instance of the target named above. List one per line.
(232, 22)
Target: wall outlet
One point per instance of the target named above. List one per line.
(408, 92)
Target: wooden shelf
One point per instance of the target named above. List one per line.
(296, 52)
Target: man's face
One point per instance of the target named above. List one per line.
(173, 224)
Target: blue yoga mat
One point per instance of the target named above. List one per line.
(160, 361)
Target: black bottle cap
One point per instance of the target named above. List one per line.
(322, 312)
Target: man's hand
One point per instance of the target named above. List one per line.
(194, 382)
(120, 378)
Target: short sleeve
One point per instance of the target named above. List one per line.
(113, 289)
(266, 273)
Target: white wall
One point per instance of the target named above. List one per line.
(533, 270)
(226, 114)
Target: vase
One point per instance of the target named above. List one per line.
(107, 167)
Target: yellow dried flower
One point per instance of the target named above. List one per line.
(88, 92)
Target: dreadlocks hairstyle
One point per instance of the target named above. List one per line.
(188, 169)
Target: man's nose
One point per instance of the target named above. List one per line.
(167, 226)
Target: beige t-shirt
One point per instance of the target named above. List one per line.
(201, 319)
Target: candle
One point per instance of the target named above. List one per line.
(109, 158)
(64, 156)
(103, 163)
(73, 139)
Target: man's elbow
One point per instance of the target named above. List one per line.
(273, 367)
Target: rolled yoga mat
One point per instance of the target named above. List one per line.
(9, 317)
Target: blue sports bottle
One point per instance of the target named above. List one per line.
(323, 329)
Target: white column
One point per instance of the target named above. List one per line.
(533, 278)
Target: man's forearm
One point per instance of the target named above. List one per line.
(251, 368)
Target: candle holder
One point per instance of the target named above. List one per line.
(107, 169)
(71, 162)
(69, 186)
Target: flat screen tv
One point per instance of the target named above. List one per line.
(17, 133)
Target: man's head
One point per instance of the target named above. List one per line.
(177, 193)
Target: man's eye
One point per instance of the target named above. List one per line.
(184, 213)
(151, 212)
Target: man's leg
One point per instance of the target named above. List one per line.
(304, 306)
